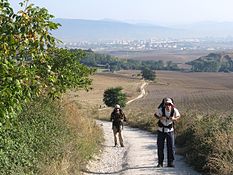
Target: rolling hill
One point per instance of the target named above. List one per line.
(73, 30)
(91, 30)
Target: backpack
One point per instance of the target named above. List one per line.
(117, 119)
(162, 105)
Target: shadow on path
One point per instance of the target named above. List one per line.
(158, 170)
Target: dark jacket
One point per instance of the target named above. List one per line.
(117, 118)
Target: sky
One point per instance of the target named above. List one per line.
(163, 12)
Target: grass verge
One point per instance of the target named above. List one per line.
(48, 138)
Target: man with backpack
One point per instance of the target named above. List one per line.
(117, 118)
(167, 115)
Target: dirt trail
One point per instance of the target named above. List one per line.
(138, 157)
(143, 93)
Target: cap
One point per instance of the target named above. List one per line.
(168, 100)
(117, 106)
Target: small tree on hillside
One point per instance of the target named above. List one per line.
(148, 74)
(113, 96)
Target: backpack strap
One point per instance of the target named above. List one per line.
(171, 114)
(160, 124)
(161, 105)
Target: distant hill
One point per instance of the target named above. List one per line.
(213, 62)
(93, 30)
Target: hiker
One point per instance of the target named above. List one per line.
(117, 118)
(167, 115)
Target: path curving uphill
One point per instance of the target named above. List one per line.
(143, 93)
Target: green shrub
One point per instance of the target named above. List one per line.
(113, 96)
(45, 136)
(36, 137)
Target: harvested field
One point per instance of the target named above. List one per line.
(176, 56)
(102, 81)
(192, 92)
(202, 92)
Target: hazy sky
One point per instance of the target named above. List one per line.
(156, 11)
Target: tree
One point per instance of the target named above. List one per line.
(24, 40)
(32, 67)
(148, 74)
(30, 63)
(113, 96)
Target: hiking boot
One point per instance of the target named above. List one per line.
(115, 145)
(170, 165)
(122, 146)
(159, 165)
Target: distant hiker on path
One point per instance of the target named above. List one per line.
(117, 118)
(167, 115)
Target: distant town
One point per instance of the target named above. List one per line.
(209, 44)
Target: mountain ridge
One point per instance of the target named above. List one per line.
(80, 29)
(73, 30)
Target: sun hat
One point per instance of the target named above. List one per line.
(168, 100)
(117, 106)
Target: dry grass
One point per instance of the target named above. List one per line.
(86, 140)
(196, 92)
(103, 81)
(175, 56)
(81, 108)
(203, 92)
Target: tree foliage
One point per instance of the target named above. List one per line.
(70, 73)
(113, 96)
(111, 63)
(30, 64)
(213, 62)
(148, 74)
(32, 68)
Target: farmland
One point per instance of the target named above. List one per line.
(203, 99)
(179, 57)
(204, 92)
(197, 92)
(200, 93)
(176, 56)
(102, 81)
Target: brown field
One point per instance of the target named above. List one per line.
(195, 94)
(181, 57)
(165, 55)
(192, 92)
(103, 81)
(199, 92)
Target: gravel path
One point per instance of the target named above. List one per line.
(138, 157)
